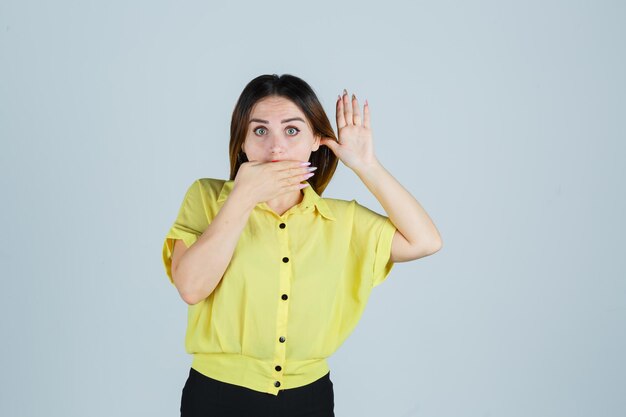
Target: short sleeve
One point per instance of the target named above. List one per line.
(372, 236)
(190, 223)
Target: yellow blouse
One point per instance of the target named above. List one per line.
(294, 290)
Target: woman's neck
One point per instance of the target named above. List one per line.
(284, 202)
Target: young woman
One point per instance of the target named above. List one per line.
(277, 277)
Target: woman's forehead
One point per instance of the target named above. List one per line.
(275, 108)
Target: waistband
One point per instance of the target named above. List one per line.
(258, 374)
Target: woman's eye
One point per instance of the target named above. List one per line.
(292, 131)
(257, 130)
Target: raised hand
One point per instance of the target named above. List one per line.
(355, 146)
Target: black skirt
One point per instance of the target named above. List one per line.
(208, 397)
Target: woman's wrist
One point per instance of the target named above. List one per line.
(242, 199)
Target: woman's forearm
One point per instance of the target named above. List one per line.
(202, 266)
(401, 207)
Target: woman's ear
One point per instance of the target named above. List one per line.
(316, 143)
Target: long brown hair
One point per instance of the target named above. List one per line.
(303, 96)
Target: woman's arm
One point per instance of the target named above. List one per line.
(418, 236)
(197, 271)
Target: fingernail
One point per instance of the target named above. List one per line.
(353, 96)
(309, 175)
(303, 164)
(345, 92)
(311, 169)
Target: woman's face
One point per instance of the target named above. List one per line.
(278, 130)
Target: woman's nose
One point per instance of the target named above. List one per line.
(277, 141)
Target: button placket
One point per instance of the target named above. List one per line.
(282, 312)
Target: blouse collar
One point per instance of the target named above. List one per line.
(310, 201)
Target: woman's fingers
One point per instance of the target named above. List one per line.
(295, 170)
(288, 163)
(268, 180)
(356, 113)
(347, 108)
(348, 112)
(296, 179)
(341, 121)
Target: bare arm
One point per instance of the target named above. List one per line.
(416, 234)
(197, 270)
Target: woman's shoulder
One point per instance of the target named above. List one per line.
(211, 183)
(338, 201)
(351, 208)
(207, 187)
(339, 205)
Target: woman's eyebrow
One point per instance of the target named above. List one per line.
(282, 121)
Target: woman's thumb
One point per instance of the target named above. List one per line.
(329, 142)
